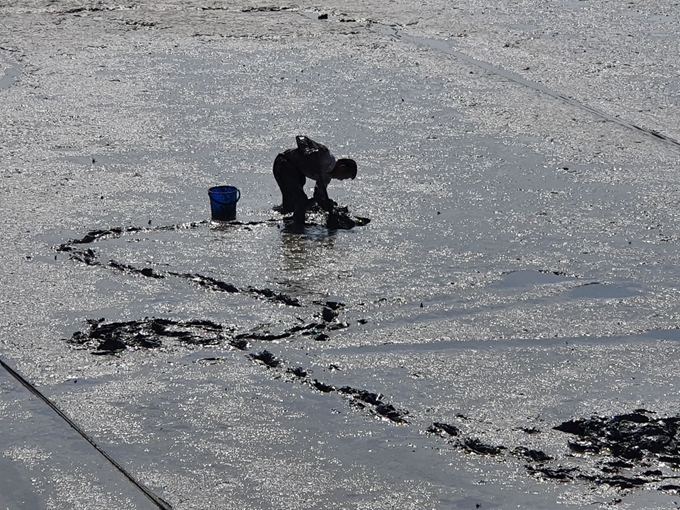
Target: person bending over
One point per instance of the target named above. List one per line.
(308, 160)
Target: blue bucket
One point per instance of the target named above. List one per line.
(223, 202)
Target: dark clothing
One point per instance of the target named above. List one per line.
(291, 170)
(291, 183)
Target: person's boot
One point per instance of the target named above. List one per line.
(283, 209)
(299, 215)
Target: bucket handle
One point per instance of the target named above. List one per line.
(238, 194)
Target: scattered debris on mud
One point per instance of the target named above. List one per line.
(114, 337)
(629, 450)
(358, 399)
(626, 451)
(635, 436)
(266, 358)
(443, 429)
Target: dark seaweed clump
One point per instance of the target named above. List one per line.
(266, 358)
(115, 337)
(443, 429)
(362, 397)
(633, 437)
(627, 449)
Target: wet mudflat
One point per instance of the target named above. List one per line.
(45, 462)
(502, 334)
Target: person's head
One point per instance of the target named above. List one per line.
(344, 169)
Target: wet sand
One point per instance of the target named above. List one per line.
(501, 334)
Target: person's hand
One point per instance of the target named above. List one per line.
(327, 205)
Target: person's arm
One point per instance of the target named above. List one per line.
(321, 196)
(325, 164)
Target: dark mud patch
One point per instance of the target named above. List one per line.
(328, 314)
(298, 372)
(275, 296)
(391, 413)
(627, 451)
(144, 271)
(269, 8)
(150, 333)
(361, 398)
(265, 358)
(630, 450)
(85, 255)
(635, 437)
(207, 282)
(559, 473)
(333, 305)
(239, 344)
(78, 10)
(115, 337)
(317, 330)
(474, 445)
(306, 329)
(443, 429)
(531, 454)
(322, 387)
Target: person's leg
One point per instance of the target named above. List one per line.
(291, 183)
(300, 214)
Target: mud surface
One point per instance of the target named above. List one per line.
(501, 333)
(628, 451)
